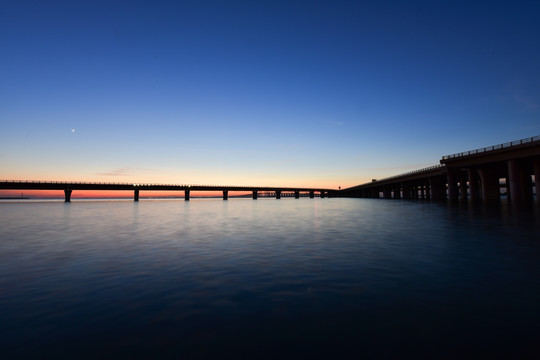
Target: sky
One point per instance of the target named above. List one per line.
(267, 93)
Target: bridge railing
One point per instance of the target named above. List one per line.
(493, 147)
(438, 166)
(429, 168)
(141, 185)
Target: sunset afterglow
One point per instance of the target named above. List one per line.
(254, 94)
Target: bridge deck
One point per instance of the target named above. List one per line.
(62, 185)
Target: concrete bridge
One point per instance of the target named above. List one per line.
(511, 169)
(69, 187)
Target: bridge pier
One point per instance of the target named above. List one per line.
(387, 192)
(278, 194)
(518, 182)
(186, 195)
(463, 188)
(297, 194)
(225, 194)
(397, 193)
(437, 188)
(490, 184)
(311, 194)
(536, 166)
(452, 185)
(322, 194)
(67, 195)
(136, 195)
(254, 192)
(474, 188)
(406, 192)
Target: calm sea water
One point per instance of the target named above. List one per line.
(337, 278)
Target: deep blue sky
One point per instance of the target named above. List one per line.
(251, 92)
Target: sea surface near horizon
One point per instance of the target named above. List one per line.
(356, 278)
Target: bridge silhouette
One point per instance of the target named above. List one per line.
(69, 187)
(482, 174)
(485, 174)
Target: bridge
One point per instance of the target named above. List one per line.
(511, 169)
(484, 174)
(69, 187)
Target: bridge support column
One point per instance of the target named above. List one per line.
(297, 194)
(311, 194)
(415, 192)
(225, 194)
(397, 193)
(186, 195)
(67, 195)
(322, 194)
(406, 192)
(536, 165)
(427, 191)
(254, 192)
(136, 195)
(463, 188)
(278, 194)
(437, 188)
(490, 184)
(452, 185)
(474, 188)
(387, 193)
(520, 185)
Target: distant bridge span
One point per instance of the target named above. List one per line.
(69, 187)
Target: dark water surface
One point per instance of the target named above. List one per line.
(336, 278)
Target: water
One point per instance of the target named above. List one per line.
(290, 278)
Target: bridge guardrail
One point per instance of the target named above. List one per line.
(438, 166)
(433, 167)
(493, 147)
(141, 185)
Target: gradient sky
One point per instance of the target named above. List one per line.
(280, 93)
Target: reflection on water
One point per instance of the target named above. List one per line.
(286, 278)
